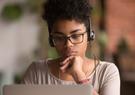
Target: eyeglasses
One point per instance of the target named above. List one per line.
(60, 40)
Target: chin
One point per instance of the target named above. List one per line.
(71, 54)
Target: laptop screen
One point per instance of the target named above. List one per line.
(47, 90)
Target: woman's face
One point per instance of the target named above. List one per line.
(70, 38)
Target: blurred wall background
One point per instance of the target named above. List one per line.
(24, 38)
(19, 37)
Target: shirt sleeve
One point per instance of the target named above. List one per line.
(30, 75)
(111, 81)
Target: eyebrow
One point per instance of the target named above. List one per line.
(72, 32)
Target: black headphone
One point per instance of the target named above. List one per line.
(91, 34)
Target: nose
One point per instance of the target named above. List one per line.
(68, 43)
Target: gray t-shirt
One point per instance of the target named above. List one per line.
(105, 78)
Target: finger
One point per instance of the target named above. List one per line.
(66, 60)
(64, 66)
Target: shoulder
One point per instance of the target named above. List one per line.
(108, 78)
(38, 64)
(37, 67)
(34, 71)
(107, 66)
(107, 71)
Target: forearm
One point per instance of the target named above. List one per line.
(78, 76)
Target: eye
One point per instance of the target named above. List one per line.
(58, 38)
(76, 36)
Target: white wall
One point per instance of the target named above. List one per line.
(17, 39)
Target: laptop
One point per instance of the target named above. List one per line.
(47, 90)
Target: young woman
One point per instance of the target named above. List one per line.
(70, 33)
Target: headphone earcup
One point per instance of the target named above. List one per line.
(91, 36)
(51, 42)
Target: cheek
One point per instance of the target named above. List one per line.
(59, 50)
(83, 46)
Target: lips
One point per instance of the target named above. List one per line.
(70, 53)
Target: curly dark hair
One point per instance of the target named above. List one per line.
(79, 10)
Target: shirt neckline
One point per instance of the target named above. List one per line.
(56, 78)
(49, 72)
